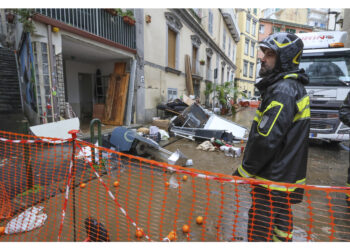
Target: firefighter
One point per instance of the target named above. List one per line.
(344, 116)
(277, 147)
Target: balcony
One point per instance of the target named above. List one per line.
(97, 22)
(232, 23)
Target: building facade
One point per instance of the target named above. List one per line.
(247, 50)
(67, 58)
(208, 37)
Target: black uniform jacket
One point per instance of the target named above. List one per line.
(277, 146)
(344, 112)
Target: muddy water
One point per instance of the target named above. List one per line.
(317, 218)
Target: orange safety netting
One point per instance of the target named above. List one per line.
(113, 196)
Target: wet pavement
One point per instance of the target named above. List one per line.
(142, 193)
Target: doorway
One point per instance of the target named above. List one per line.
(86, 96)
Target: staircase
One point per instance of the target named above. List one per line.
(11, 115)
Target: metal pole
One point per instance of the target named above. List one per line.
(74, 137)
(131, 93)
(92, 138)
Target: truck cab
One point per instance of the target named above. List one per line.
(327, 63)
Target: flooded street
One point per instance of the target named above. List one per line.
(327, 163)
(159, 199)
(327, 166)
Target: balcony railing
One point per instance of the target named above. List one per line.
(97, 22)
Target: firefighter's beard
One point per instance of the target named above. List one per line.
(265, 70)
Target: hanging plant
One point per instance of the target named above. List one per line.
(25, 17)
(128, 17)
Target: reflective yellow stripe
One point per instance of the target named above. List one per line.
(257, 116)
(303, 102)
(279, 187)
(304, 109)
(244, 173)
(281, 45)
(275, 239)
(283, 234)
(295, 58)
(272, 105)
(291, 76)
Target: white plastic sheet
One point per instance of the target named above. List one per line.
(32, 218)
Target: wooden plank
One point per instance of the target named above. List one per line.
(119, 69)
(109, 98)
(189, 84)
(119, 102)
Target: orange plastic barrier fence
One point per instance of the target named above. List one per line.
(110, 196)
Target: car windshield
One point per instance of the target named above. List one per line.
(327, 71)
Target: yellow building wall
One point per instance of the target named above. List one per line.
(242, 80)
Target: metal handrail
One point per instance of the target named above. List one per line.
(96, 21)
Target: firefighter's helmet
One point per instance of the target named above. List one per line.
(288, 48)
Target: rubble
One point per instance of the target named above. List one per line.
(127, 140)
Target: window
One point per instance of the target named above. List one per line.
(246, 47)
(255, 11)
(253, 28)
(210, 22)
(222, 74)
(233, 53)
(194, 59)
(247, 25)
(228, 76)
(224, 41)
(251, 70)
(262, 29)
(252, 49)
(172, 94)
(208, 68)
(291, 30)
(245, 68)
(229, 48)
(276, 29)
(171, 48)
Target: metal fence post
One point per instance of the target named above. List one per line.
(92, 139)
(74, 137)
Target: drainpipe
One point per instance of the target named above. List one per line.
(51, 69)
(130, 93)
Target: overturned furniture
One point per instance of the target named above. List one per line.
(127, 140)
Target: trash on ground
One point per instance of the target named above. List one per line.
(162, 124)
(206, 146)
(217, 122)
(200, 134)
(127, 140)
(32, 218)
(194, 116)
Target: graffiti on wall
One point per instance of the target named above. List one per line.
(27, 73)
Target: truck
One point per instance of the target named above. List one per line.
(327, 63)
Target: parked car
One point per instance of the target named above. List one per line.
(252, 102)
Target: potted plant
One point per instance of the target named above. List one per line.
(223, 95)
(128, 17)
(202, 62)
(208, 90)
